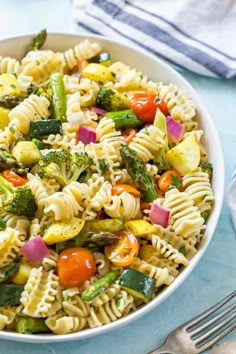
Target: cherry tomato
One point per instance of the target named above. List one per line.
(120, 188)
(170, 178)
(124, 251)
(75, 266)
(14, 178)
(128, 134)
(145, 104)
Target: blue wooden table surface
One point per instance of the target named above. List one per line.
(214, 276)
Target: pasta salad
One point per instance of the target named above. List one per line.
(105, 188)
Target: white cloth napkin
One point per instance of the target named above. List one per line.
(197, 35)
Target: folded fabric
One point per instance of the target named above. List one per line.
(190, 34)
(231, 198)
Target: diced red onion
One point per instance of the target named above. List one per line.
(98, 110)
(35, 250)
(86, 135)
(159, 215)
(175, 129)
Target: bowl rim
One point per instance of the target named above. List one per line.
(213, 219)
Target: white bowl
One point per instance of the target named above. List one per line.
(155, 69)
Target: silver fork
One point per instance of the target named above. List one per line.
(194, 337)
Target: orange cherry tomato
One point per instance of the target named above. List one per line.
(124, 251)
(128, 134)
(75, 266)
(120, 188)
(170, 178)
(145, 104)
(14, 178)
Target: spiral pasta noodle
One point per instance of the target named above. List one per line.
(83, 50)
(123, 206)
(147, 141)
(41, 64)
(32, 108)
(106, 132)
(197, 186)
(185, 217)
(9, 65)
(179, 103)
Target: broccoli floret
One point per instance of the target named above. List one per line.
(19, 200)
(206, 167)
(111, 100)
(64, 166)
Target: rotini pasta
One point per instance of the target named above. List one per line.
(30, 109)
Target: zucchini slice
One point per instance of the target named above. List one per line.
(137, 284)
(10, 294)
(45, 127)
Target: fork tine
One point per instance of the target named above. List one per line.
(213, 319)
(216, 328)
(217, 338)
(212, 309)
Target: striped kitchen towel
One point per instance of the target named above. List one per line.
(196, 35)
(231, 198)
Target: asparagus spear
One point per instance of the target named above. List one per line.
(7, 161)
(56, 84)
(138, 171)
(8, 271)
(125, 119)
(100, 286)
(9, 101)
(39, 40)
(91, 240)
(31, 325)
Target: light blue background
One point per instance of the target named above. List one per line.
(213, 277)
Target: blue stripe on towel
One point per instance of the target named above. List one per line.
(155, 32)
(180, 30)
(88, 28)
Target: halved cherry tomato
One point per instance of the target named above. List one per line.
(120, 188)
(170, 178)
(124, 251)
(14, 178)
(145, 104)
(75, 266)
(128, 134)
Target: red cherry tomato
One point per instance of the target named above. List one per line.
(75, 266)
(14, 178)
(145, 104)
